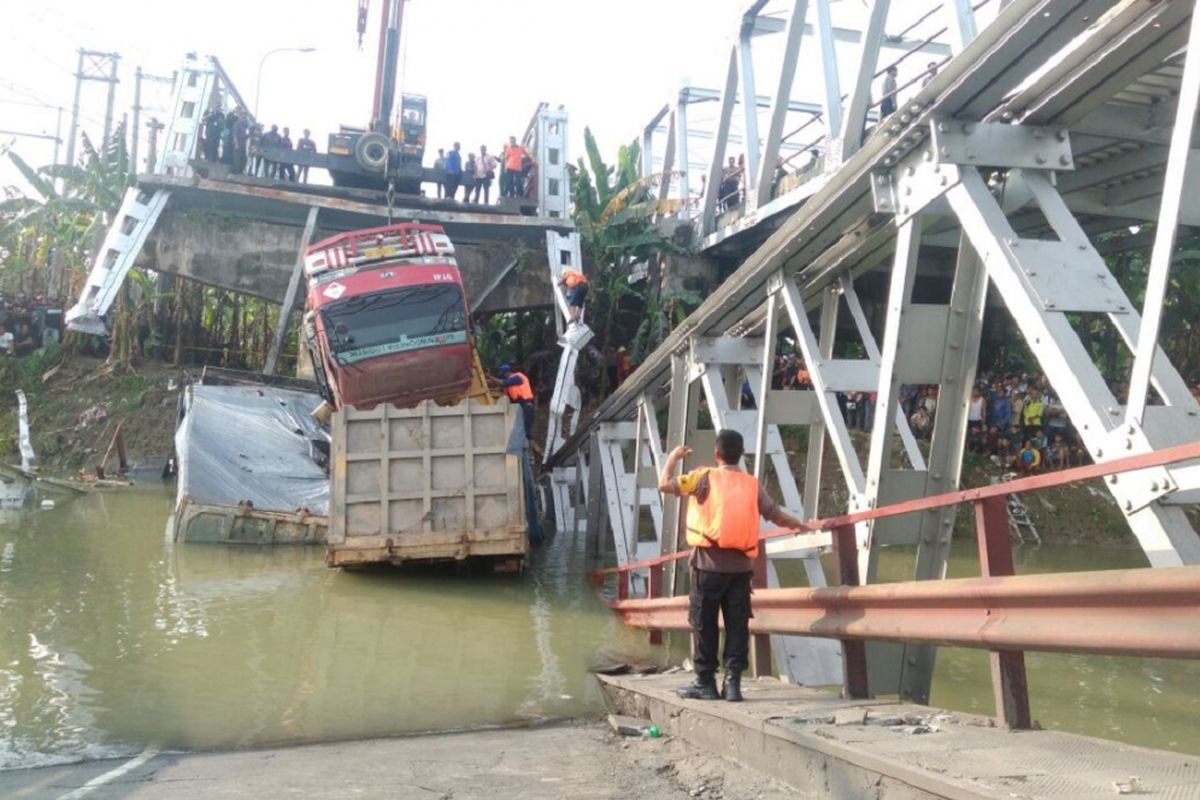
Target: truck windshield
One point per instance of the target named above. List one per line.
(412, 318)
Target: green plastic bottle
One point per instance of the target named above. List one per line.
(654, 732)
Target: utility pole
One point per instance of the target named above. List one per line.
(94, 65)
(152, 159)
(138, 77)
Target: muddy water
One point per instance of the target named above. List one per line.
(113, 639)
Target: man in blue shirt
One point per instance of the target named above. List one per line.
(454, 171)
(999, 407)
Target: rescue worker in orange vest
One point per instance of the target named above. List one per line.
(723, 513)
(520, 391)
(576, 284)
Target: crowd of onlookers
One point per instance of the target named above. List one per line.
(516, 169)
(1013, 419)
(28, 323)
(232, 139)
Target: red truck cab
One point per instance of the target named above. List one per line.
(386, 318)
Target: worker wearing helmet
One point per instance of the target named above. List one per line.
(723, 528)
(520, 391)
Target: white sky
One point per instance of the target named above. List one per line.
(483, 64)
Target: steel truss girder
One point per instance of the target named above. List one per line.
(1162, 530)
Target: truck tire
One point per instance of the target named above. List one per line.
(371, 152)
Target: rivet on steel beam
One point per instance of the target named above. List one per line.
(928, 154)
(912, 170)
(907, 190)
(943, 127)
(904, 210)
(945, 151)
(905, 118)
(1154, 486)
(894, 129)
(1039, 158)
(1038, 133)
(1099, 453)
(1061, 135)
(1112, 478)
(1050, 304)
(1064, 160)
(968, 128)
(1129, 444)
(1132, 430)
(1128, 506)
(945, 181)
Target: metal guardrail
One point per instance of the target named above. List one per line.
(1139, 612)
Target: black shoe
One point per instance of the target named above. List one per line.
(703, 688)
(731, 687)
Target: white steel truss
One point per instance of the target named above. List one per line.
(1046, 126)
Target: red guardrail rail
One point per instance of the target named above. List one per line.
(1144, 612)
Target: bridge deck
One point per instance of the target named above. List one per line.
(828, 747)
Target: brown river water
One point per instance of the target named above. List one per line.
(113, 638)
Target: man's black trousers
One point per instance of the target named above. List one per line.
(727, 593)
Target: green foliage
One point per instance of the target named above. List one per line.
(615, 212)
(59, 227)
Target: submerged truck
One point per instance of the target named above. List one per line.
(386, 318)
(418, 462)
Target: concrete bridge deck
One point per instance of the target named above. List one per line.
(827, 747)
(242, 234)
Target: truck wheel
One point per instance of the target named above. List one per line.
(371, 151)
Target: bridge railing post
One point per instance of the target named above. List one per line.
(760, 644)
(654, 588)
(854, 652)
(1009, 683)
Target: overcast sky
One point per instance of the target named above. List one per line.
(483, 64)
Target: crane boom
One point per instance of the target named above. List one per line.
(386, 66)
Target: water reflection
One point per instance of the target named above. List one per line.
(112, 639)
(116, 638)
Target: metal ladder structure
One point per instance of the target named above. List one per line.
(198, 87)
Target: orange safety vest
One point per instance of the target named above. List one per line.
(728, 517)
(572, 278)
(522, 392)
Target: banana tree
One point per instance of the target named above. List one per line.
(615, 212)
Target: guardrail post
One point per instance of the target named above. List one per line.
(623, 585)
(760, 644)
(1009, 683)
(654, 588)
(854, 652)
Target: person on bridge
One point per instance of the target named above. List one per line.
(576, 284)
(485, 173)
(722, 526)
(887, 106)
(511, 182)
(454, 170)
(305, 145)
(520, 391)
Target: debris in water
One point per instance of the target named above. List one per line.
(47, 504)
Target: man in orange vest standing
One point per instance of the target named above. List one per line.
(576, 284)
(723, 513)
(520, 391)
